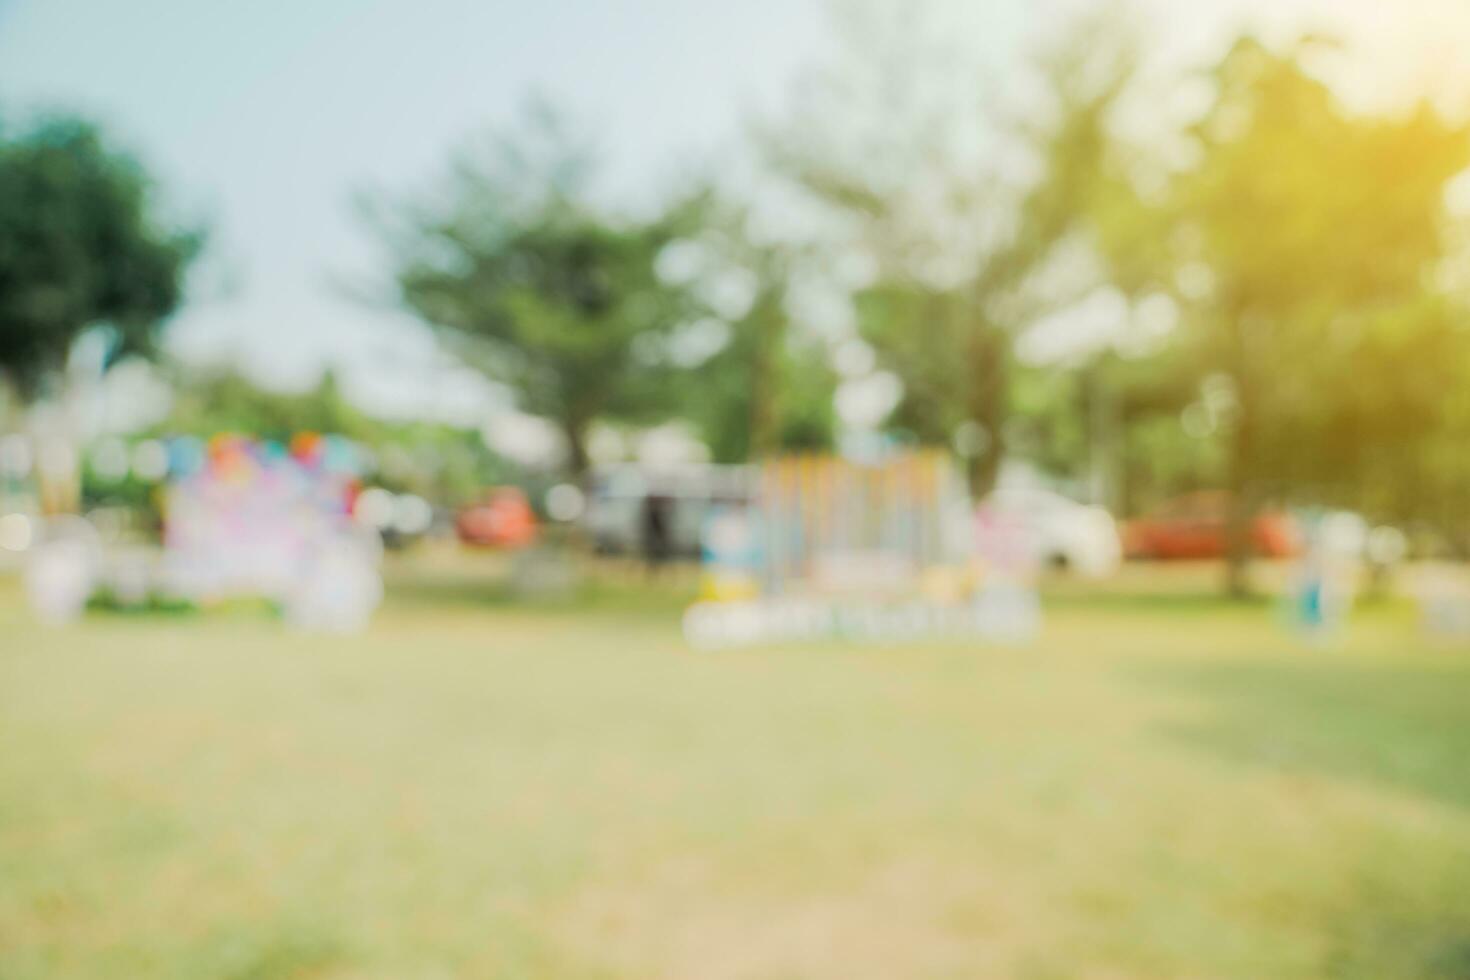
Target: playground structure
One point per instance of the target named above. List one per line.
(798, 524)
(891, 548)
(834, 525)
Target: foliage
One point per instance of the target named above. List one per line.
(757, 382)
(447, 465)
(1309, 238)
(82, 245)
(727, 408)
(524, 276)
(443, 463)
(206, 403)
(959, 247)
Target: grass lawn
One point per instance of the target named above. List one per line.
(1163, 787)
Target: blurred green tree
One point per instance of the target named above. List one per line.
(82, 245)
(209, 402)
(959, 243)
(524, 276)
(1307, 241)
(755, 383)
(448, 465)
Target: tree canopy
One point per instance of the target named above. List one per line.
(755, 379)
(1306, 241)
(523, 275)
(958, 246)
(82, 244)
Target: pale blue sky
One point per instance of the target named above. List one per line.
(264, 118)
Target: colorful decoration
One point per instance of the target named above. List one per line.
(896, 517)
(885, 549)
(733, 553)
(251, 519)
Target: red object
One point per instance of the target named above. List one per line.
(1193, 527)
(307, 448)
(503, 520)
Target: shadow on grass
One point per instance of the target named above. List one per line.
(1404, 911)
(271, 951)
(590, 594)
(1401, 725)
(1185, 603)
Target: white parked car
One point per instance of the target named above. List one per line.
(1064, 533)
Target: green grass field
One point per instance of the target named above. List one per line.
(1163, 787)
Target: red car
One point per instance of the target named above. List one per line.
(1193, 527)
(504, 519)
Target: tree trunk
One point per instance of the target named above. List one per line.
(1104, 431)
(984, 471)
(579, 464)
(1241, 470)
(989, 380)
(1241, 506)
(1238, 548)
(763, 438)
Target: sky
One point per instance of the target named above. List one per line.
(265, 118)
